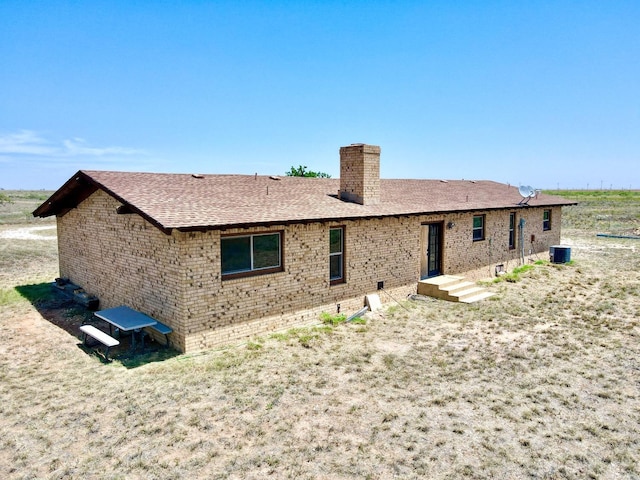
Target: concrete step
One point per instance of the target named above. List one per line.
(435, 286)
(478, 297)
(452, 288)
(455, 288)
(460, 295)
(442, 280)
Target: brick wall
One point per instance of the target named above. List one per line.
(360, 174)
(123, 259)
(220, 311)
(478, 259)
(177, 278)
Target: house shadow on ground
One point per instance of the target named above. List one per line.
(65, 313)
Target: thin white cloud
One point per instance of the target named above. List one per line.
(78, 146)
(30, 143)
(25, 142)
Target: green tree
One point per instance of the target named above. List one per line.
(302, 171)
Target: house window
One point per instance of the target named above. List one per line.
(336, 255)
(512, 231)
(255, 254)
(478, 228)
(546, 220)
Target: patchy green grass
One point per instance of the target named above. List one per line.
(599, 196)
(514, 275)
(359, 321)
(333, 320)
(9, 297)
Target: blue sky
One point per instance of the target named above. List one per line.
(539, 93)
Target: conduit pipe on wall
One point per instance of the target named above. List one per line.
(522, 223)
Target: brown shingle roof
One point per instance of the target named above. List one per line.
(185, 202)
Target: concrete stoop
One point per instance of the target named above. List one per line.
(453, 289)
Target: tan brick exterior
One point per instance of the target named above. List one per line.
(360, 174)
(177, 278)
(123, 259)
(477, 260)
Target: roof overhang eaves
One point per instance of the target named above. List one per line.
(77, 189)
(272, 223)
(74, 191)
(167, 229)
(131, 209)
(333, 219)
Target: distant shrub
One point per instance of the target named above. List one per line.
(4, 198)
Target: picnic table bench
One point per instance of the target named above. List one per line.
(162, 329)
(107, 340)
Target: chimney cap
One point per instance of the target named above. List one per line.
(365, 147)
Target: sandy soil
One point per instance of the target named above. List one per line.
(29, 233)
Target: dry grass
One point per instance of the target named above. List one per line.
(541, 381)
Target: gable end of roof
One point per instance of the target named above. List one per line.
(76, 190)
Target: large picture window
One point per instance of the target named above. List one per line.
(478, 228)
(546, 220)
(336, 255)
(251, 254)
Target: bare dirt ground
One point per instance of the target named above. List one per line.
(30, 233)
(540, 381)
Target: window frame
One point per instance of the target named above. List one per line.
(253, 271)
(512, 230)
(546, 220)
(483, 217)
(341, 254)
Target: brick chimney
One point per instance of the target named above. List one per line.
(360, 174)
